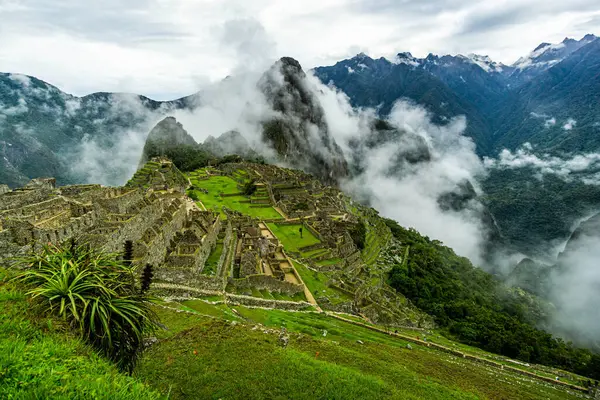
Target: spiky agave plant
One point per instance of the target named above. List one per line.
(95, 293)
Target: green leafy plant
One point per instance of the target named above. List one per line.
(95, 293)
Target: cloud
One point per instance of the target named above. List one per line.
(570, 124)
(10, 111)
(22, 79)
(576, 167)
(169, 49)
(252, 47)
(576, 292)
(549, 121)
(411, 195)
(111, 156)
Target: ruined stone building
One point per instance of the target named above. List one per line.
(167, 229)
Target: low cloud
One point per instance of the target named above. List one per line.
(570, 124)
(566, 168)
(22, 79)
(111, 156)
(549, 121)
(576, 292)
(11, 111)
(411, 195)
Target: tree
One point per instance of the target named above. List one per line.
(250, 187)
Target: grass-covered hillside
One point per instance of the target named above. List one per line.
(218, 351)
(40, 358)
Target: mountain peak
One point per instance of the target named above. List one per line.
(546, 55)
(541, 46)
(167, 134)
(589, 38)
(406, 58)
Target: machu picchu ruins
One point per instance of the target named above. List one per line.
(254, 232)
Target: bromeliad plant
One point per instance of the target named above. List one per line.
(96, 294)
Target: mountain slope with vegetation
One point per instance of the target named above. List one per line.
(338, 345)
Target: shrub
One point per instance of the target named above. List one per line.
(96, 294)
(250, 187)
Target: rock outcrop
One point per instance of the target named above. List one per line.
(299, 134)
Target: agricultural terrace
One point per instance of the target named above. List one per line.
(289, 236)
(217, 191)
(317, 283)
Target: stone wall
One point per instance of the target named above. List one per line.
(265, 303)
(135, 228)
(22, 197)
(157, 247)
(267, 282)
(209, 242)
(190, 277)
(122, 200)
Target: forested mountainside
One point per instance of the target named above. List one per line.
(545, 105)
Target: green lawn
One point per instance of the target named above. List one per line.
(41, 359)
(224, 184)
(204, 308)
(289, 236)
(219, 360)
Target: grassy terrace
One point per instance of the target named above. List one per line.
(373, 246)
(265, 294)
(210, 267)
(331, 261)
(201, 357)
(289, 236)
(317, 284)
(217, 185)
(141, 176)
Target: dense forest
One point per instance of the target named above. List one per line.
(477, 309)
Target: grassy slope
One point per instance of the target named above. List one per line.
(39, 360)
(203, 357)
(317, 284)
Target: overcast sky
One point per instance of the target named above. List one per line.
(168, 48)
